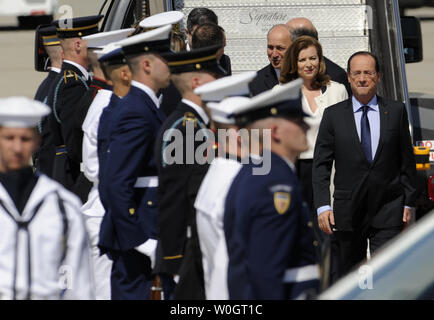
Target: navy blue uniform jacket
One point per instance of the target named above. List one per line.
(131, 216)
(104, 128)
(269, 235)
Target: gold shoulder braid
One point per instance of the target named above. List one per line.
(71, 74)
(188, 116)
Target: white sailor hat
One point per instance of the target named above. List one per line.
(282, 101)
(162, 19)
(21, 112)
(154, 41)
(101, 39)
(235, 85)
(222, 111)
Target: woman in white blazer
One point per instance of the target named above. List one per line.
(304, 59)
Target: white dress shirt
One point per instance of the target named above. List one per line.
(148, 91)
(81, 68)
(374, 125)
(209, 205)
(374, 120)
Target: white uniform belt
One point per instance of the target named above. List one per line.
(146, 182)
(301, 274)
(4, 296)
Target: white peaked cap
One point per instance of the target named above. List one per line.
(101, 39)
(280, 93)
(21, 112)
(235, 85)
(221, 112)
(161, 33)
(162, 19)
(107, 49)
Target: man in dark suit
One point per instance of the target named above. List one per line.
(278, 40)
(368, 138)
(304, 27)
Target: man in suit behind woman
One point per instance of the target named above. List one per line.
(279, 39)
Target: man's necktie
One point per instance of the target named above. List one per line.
(365, 134)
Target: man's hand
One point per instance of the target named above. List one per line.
(325, 219)
(406, 217)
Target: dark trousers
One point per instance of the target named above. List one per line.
(168, 285)
(349, 248)
(82, 187)
(131, 276)
(191, 284)
(304, 174)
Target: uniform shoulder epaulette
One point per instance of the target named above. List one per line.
(70, 75)
(176, 125)
(67, 75)
(188, 116)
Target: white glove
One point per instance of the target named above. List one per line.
(176, 278)
(149, 248)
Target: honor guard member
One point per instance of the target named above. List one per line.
(163, 19)
(52, 46)
(44, 156)
(129, 227)
(93, 209)
(180, 179)
(212, 193)
(170, 96)
(94, 43)
(117, 71)
(69, 100)
(267, 228)
(43, 244)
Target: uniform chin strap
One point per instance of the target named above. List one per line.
(46, 63)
